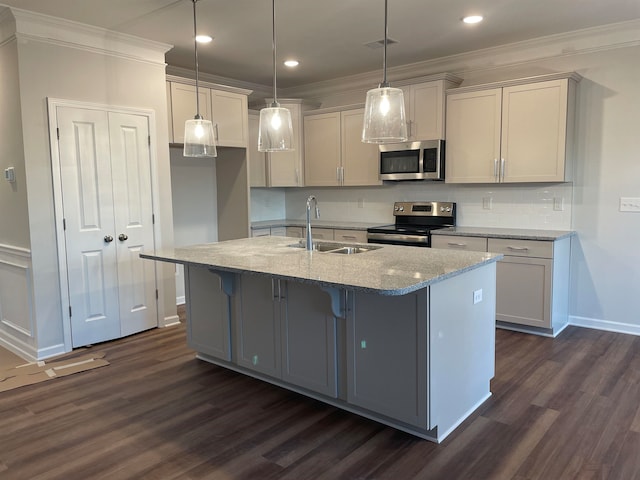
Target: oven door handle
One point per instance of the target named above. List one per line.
(396, 237)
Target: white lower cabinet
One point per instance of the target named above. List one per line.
(532, 278)
(387, 367)
(286, 330)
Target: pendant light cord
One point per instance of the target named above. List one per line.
(273, 45)
(384, 52)
(195, 43)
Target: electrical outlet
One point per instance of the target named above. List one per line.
(487, 203)
(477, 296)
(629, 204)
(558, 204)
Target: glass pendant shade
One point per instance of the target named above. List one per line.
(198, 138)
(276, 130)
(384, 117)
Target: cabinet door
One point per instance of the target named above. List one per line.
(285, 169)
(455, 242)
(534, 132)
(279, 231)
(257, 160)
(386, 367)
(257, 323)
(523, 291)
(297, 232)
(208, 313)
(473, 136)
(229, 111)
(183, 107)
(308, 338)
(322, 149)
(359, 160)
(427, 111)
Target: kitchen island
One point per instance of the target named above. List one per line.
(401, 335)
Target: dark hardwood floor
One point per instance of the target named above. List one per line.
(567, 408)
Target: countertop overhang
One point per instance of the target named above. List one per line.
(390, 270)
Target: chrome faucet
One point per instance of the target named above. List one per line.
(309, 237)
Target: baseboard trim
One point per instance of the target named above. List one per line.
(19, 348)
(170, 320)
(51, 351)
(606, 325)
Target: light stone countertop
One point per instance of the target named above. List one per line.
(390, 270)
(510, 233)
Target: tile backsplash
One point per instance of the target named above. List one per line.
(539, 206)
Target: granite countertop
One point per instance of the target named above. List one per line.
(512, 233)
(390, 270)
(314, 223)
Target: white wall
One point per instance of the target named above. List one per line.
(47, 68)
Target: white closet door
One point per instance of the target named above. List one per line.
(131, 174)
(89, 216)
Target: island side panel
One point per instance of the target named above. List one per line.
(461, 346)
(387, 355)
(208, 313)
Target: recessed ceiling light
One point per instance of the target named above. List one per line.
(203, 38)
(472, 19)
(291, 63)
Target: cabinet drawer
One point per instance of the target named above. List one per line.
(521, 248)
(260, 232)
(279, 231)
(297, 232)
(322, 233)
(456, 242)
(359, 236)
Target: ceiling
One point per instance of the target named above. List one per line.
(328, 36)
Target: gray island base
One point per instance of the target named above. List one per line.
(401, 335)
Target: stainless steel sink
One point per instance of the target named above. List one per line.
(341, 248)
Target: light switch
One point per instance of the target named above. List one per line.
(9, 175)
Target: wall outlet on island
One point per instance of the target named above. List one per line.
(477, 296)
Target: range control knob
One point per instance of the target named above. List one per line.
(402, 209)
(396, 208)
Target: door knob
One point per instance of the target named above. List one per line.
(122, 237)
(108, 238)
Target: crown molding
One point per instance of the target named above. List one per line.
(32, 26)
(220, 82)
(205, 84)
(589, 40)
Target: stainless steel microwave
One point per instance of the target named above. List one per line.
(412, 160)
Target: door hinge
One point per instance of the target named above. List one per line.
(58, 133)
(156, 294)
(70, 310)
(64, 223)
(153, 218)
(149, 140)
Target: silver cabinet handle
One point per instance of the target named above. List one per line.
(495, 169)
(348, 237)
(502, 162)
(454, 244)
(215, 127)
(338, 174)
(518, 249)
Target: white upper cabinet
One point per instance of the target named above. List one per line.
(425, 108)
(226, 109)
(513, 133)
(334, 152)
(257, 160)
(285, 169)
(230, 118)
(183, 107)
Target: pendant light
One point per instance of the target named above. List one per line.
(275, 133)
(198, 132)
(384, 117)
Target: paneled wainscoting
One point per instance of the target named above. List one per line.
(564, 408)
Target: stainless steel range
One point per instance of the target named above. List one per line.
(414, 223)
